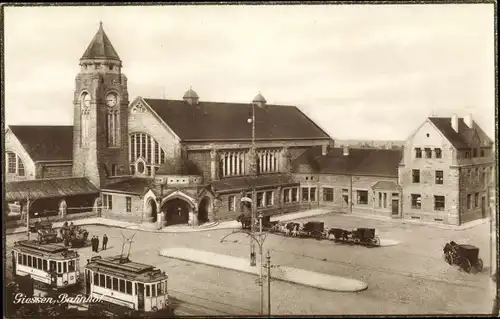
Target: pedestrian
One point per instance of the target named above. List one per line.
(92, 241)
(104, 242)
(97, 244)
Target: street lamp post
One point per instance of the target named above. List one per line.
(253, 262)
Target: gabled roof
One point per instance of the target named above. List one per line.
(45, 143)
(237, 184)
(359, 162)
(48, 188)
(134, 185)
(465, 137)
(228, 121)
(100, 47)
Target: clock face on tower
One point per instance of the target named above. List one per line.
(111, 99)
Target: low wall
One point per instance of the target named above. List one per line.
(22, 223)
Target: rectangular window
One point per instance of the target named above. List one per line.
(108, 282)
(467, 155)
(96, 279)
(153, 290)
(147, 290)
(362, 197)
(20, 259)
(34, 262)
(269, 198)
(114, 170)
(102, 280)
(385, 200)
(312, 194)
(52, 265)
(160, 288)
(65, 267)
(476, 175)
(305, 194)
(128, 286)
(379, 199)
(128, 202)
(418, 152)
(29, 261)
(260, 199)
(295, 197)
(11, 162)
(286, 196)
(438, 152)
(438, 202)
(476, 200)
(439, 177)
(231, 203)
(122, 285)
(482, 153)
(416, 201)
(483, 177)
(71, 265)
(327, 194)
(115, 284)
(20, 168)
(44, 265)
(415, 175)
(110, 202)
(428, 153)
(469, 201)
(474, 152)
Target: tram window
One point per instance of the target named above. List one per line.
(128, 285)
(160, 288)
(29, 261)
(59, 268)
(96, 279)
(122, 285)
(25, 262)
(20, 259)
(39, 263)
(44, 264)
(153, 290)
(115, 284)
(65, 267)
(147, 290)
(52, 265)
(71, 265)
(102, 281)
(108, 282)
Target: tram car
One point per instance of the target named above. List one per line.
(121, 282)
(52, 266)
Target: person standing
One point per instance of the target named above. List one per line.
(104, 242)
(92, 241)
(97, 244)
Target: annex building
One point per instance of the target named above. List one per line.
(161, 162)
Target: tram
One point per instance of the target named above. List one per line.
(120, 281)
(51, 266)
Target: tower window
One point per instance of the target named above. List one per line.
(113, 128)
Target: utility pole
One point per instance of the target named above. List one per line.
(268, 283)
(261, 266)
(254, 198)
(28, 215)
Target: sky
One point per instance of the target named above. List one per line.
(358, 71)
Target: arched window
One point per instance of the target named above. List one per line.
(15, 165)
(144, 146)
(232, 163)
(267, 161)
(113, 127)
(85, 117)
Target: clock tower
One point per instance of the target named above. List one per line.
(100, 143)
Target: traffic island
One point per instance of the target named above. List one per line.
(283, 273)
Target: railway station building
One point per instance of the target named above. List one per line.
(161, 162)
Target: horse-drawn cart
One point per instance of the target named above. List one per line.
(359, 236)
(464, 256)
(314, 229)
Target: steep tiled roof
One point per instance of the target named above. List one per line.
(228, 121)
(360, 162)
(100, 47)
(47, 188)
(45, 142)
(179, 166)
(236, 184)
(465, 137)
(134, 185)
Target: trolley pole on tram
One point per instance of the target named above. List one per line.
(28, 215)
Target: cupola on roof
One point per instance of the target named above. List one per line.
(259, 99)
(190, 94)
(100, 47)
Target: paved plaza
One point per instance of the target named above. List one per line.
(408, 278)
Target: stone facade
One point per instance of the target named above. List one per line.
(49, 170)
(13, 145)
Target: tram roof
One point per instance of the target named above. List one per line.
(123, 267)
(55, 251)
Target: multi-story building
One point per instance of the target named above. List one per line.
(444, 174)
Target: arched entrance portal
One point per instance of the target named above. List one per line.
(203, 210)
(151, 211)
(176, 211)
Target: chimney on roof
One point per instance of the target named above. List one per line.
(345, 150)
(454, 122)
(324, 149)
(468, 120)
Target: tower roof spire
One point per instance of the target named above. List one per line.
(100, 47)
